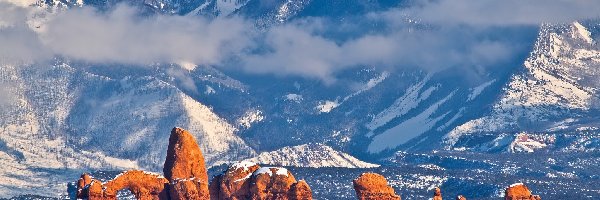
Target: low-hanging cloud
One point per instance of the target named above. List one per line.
(123, 36)
(432, 35)
(504, 12)
(18, 43)
(294, 50)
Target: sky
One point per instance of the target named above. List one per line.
(447, 33)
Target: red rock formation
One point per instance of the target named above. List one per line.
(235, 182)
(184, 157)
(246, 180)
(184, 167)
(519, 191)
(96, 191)
(89, 188)
(371, 186)
(271, 183)
(193, 189)
(437, 194)
(300, 191)
(82, 184)
(461, 197)
(141, 184)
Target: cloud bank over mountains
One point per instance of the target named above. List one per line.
(430, 34)
(505, 12)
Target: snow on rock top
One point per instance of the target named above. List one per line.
(310, 155)
(515, 184)
(242, 164)
(269, 170)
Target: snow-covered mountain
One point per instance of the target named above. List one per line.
(553, 97)
(62, 118)
(309, 155)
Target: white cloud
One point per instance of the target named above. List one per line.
(449, 34)
(123, 36)
(505, 12)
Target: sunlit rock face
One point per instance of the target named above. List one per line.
(372, 186)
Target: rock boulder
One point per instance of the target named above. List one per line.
(372, 186)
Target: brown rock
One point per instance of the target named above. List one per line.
(461, 197)
(82, 186)
(372, 186)
(184, 167)
(270, 183)
(300, 191)
(235, 182)
(89, 188)
(246, 180)
(184, 157)
(437, 194)
(519, 191)
(189, 189)
(214, 187)
(143, 185)
(96, 191)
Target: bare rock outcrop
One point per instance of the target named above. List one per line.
(142, 185)
(300, 191)
(437, 194)
(372, 186)
(184, 167)
(271, 183)
(246, 180)
(519, 191)
(234, 183)
(90, 188)
(184, 158)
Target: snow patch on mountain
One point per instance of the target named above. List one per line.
(310, 155)
(580, 32)
(326, 106)
(226, 7)
(369, 85)
(251, 117)
(525, 143)
(293, 98)
(476, 91)
(410, 100)
(289, 8)
(408, 129)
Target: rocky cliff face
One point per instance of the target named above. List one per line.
(184, 167)
(233, 182)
